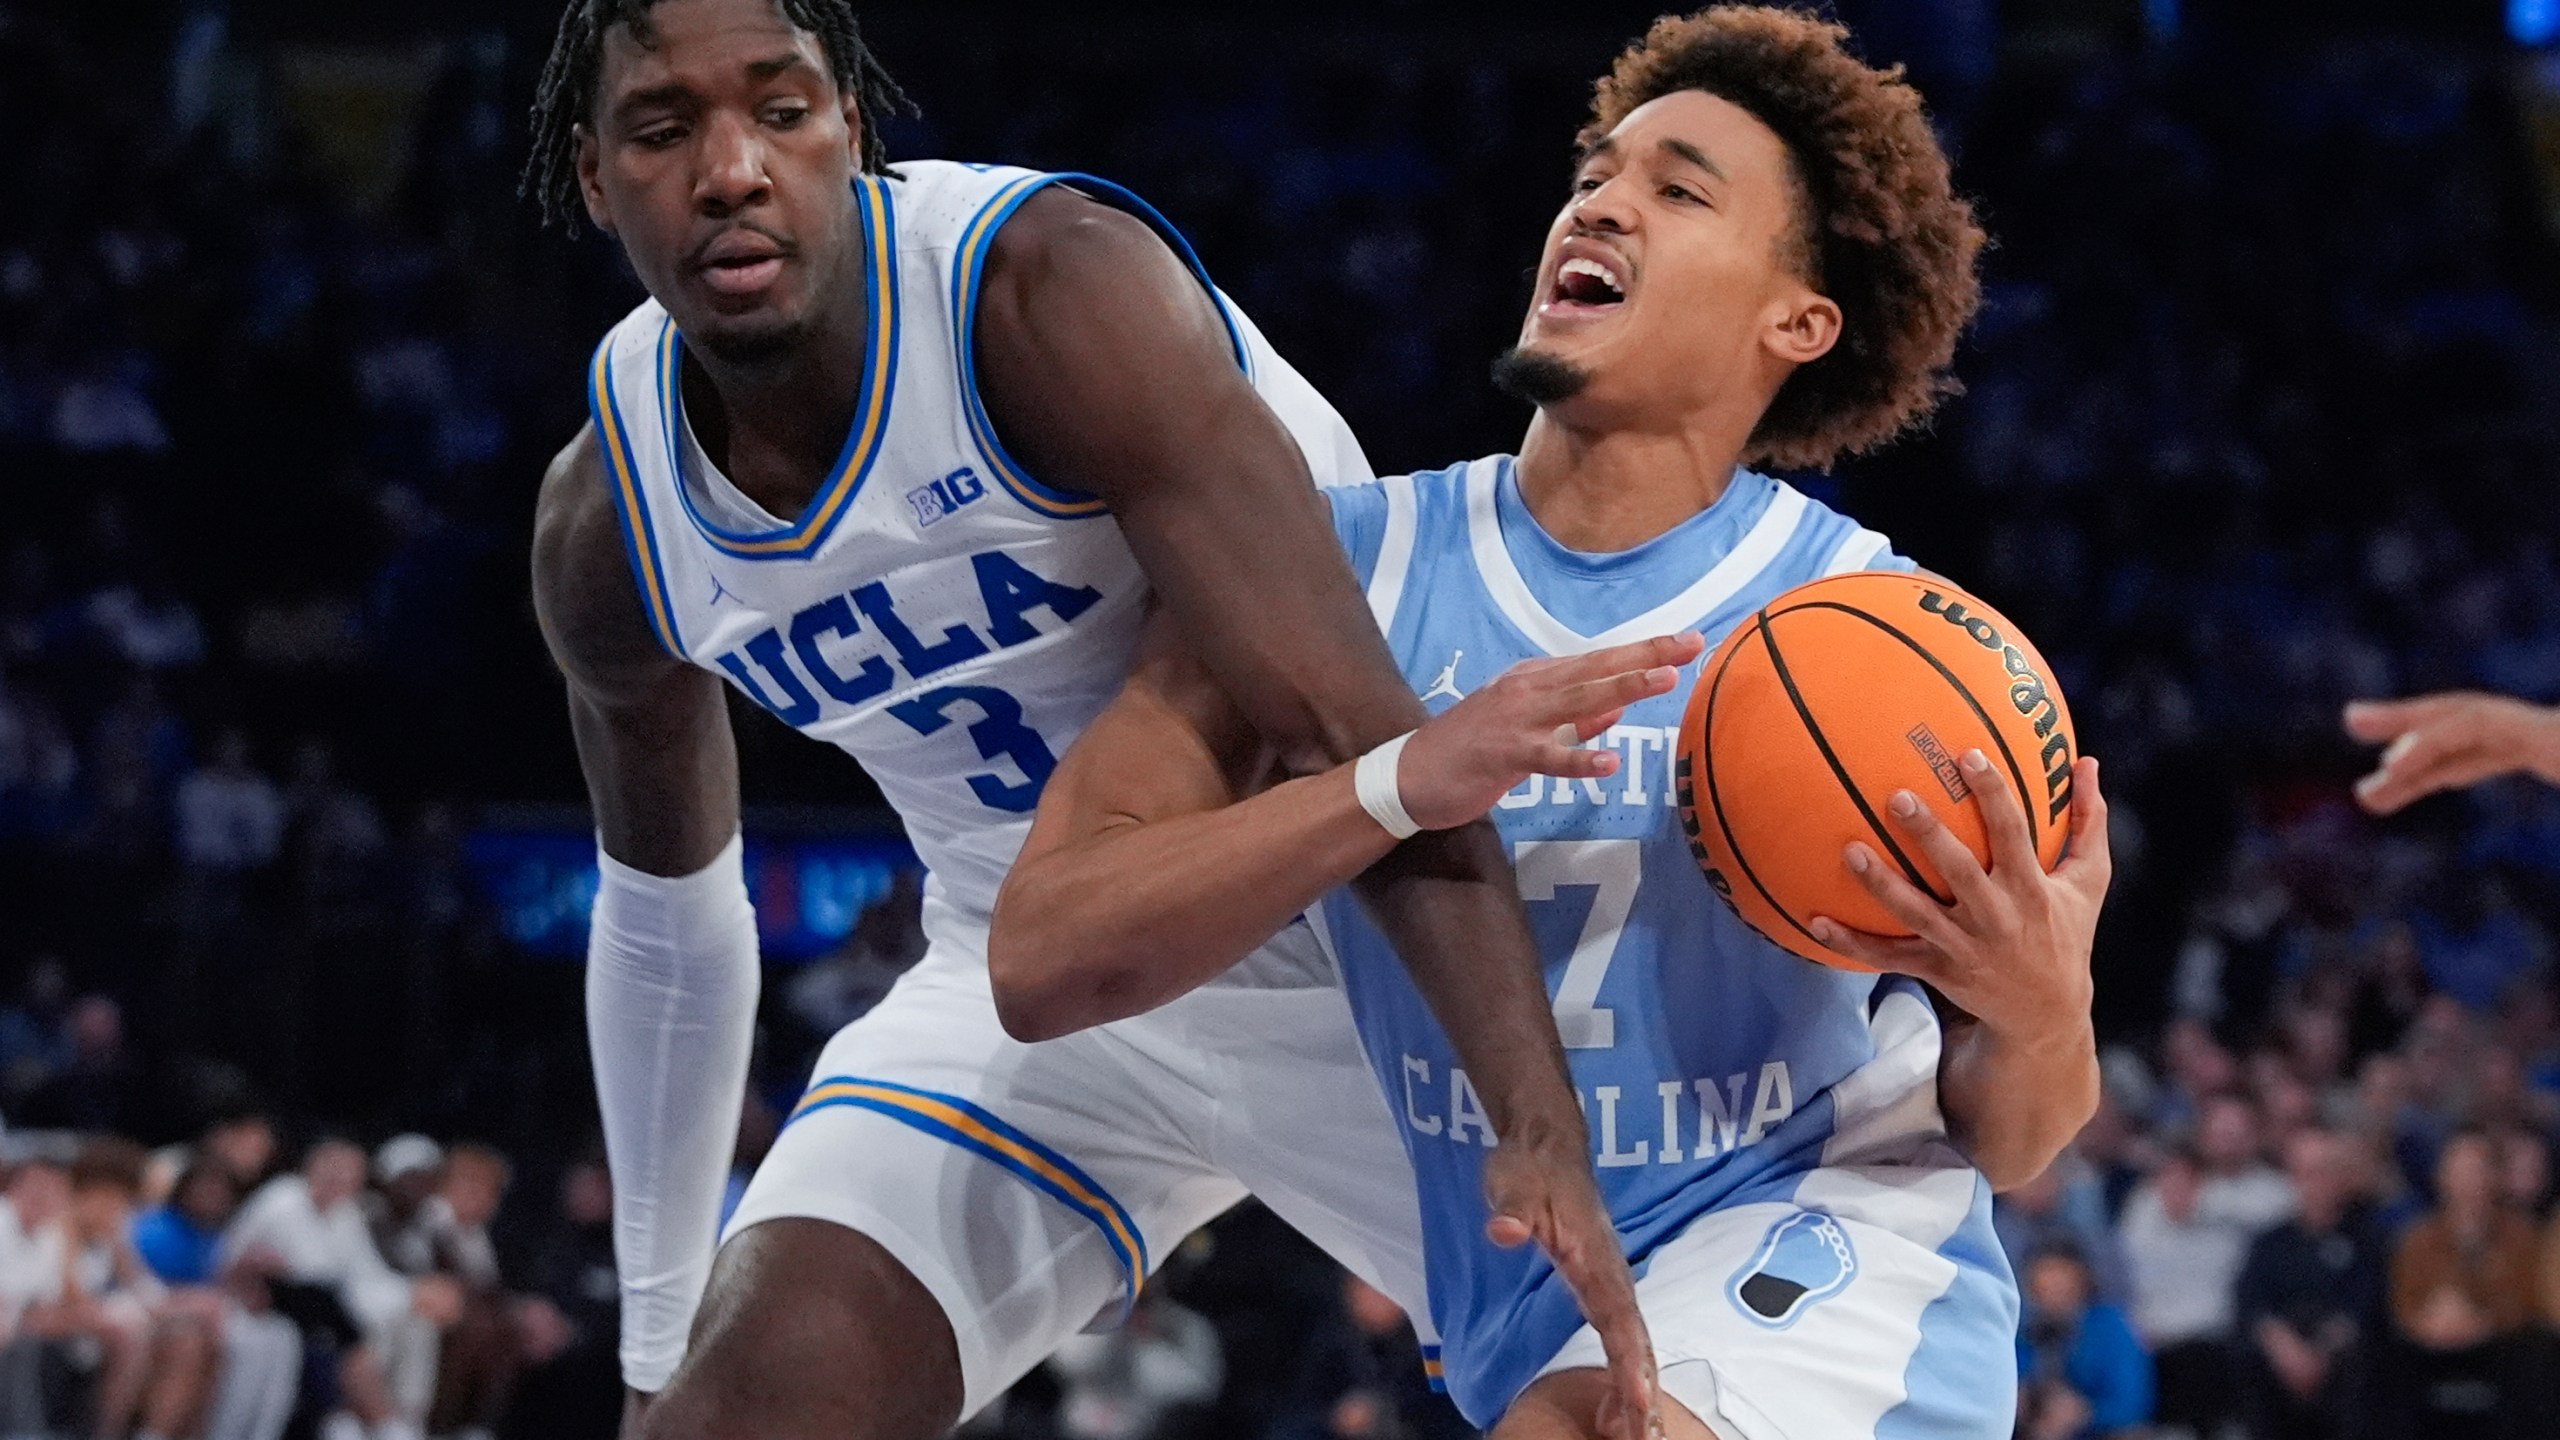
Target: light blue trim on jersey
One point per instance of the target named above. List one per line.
(870, 429)
(639, 533)
(1962, 1382)
(968, 269)
(973, 1128)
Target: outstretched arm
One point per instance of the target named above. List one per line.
(672, 970)
(1107, 369)
(2450, 742)
(1149, 870)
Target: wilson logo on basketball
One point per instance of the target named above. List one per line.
(2027, 691)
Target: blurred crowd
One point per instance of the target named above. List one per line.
(2262, 415)
(204, 1291)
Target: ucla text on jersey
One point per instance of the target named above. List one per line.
(1714, 1068)
(938, 611)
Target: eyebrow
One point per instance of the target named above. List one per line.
(778, 65)
(1695, 156)
(675, 92)
(1678, 148)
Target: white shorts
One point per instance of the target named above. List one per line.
(1030, 1188)
(1832, 1319)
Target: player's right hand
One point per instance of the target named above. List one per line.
(2448, 742)
(1532, 720)
(1541, 1189)
(635, 1409)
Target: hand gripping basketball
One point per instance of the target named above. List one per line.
(1532, 720)
(2013, 950)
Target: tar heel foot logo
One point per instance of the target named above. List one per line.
(1805, 1258)
(1447, 685)
(944, 497)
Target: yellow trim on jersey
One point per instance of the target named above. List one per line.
(975, 243)
(957, 1120)
(638, 533)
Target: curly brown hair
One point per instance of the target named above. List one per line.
(1883, 233)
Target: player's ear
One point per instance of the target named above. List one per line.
(590, 185)
(1805, 329)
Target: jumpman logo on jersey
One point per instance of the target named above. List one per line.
(719, 591)
(1447, 684)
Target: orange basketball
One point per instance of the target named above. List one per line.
(1837, 694)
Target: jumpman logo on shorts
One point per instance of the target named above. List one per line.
(1447, 684)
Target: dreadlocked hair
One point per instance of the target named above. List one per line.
(1884, 236)
(566, 97)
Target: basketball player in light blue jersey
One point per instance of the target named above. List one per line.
(1760, 261)
(905, 456)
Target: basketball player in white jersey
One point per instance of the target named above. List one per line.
(1760, 260)
(904, 457)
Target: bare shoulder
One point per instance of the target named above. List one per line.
(584, 594)
(1061, 233)
(1104, 363)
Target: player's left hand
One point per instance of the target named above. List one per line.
(1542, 1189)
(2013, 950)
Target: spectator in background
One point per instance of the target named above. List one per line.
(101, 1091)
(181, 1241)
(2183, 1243)
(2082, 1373)
(243, 1146)
(483, 1351)
(34, 1045)
(1362, 1378)
(1142, 1380)
(307, 1234)
(181, 1238)
(571, 1321)
(2524, 1171)
(406, 1171)
(34, 1250)
(2310, 1295)
(2065, 1205)
(156, 1361)
(2462, 1286)
(2239, 1184)
(230, 817)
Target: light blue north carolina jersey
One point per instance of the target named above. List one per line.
(1712, 1065)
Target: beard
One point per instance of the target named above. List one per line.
(751, 342)
(1540, 379)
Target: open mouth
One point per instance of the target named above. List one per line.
(1587, 284)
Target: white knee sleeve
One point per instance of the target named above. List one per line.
(671, 1007)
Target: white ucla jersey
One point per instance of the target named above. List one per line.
(937, 611)
(1716, 1068)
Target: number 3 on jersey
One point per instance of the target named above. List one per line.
(1611, 870)
(1000, 734)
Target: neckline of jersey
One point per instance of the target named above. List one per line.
(1715, 530)
(1762, 530)
(800, 538)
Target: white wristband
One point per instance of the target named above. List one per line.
(1374, 780)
